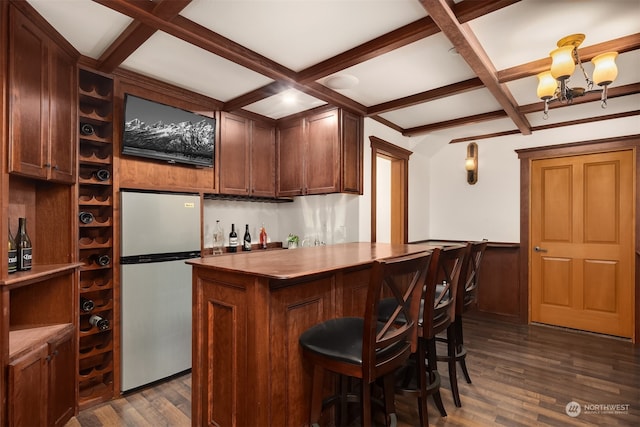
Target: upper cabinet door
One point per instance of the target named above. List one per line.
(43, 115)
(29, 101)
(322, 164)
(263, 160)
(290, 159)
(234, 155)
(352, 146)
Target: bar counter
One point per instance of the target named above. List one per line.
(248, 312)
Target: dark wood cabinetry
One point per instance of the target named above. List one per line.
(42, 123)
(247, 157)
(320, 153)
(95, 237)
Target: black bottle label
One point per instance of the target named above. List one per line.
(24, 259)
(13, 261)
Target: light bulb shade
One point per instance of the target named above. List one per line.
(606, 70)
(547, 85)
(562, 63)
(470, 163)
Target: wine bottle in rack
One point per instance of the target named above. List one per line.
(86, 217)
(102, 260)
(86, 129)
(99, 322)
(246, 240)
(23, 245)
(102, 175)
(86, 304)
(12, 255)
(233, 239)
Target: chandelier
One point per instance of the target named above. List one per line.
(563, 63)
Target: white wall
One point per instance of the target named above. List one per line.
(441, 203)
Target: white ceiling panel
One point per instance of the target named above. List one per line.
(285, 103)
(300, 33)
(167, 58)
(529, 30)
(465, 104)
(88, 26)
(418, 67)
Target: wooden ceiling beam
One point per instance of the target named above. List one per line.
(469, 120)
(429, 95)
(137, 33)
(255, 95)
(612, 92)
(472, 52)
(549, 126)
(620, 45)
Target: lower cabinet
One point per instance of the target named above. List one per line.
(42, 384)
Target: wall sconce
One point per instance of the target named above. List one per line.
(471, 163)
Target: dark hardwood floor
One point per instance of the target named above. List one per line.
(523, 375)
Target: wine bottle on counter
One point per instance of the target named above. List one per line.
(233, 239)
(86, 217)
(12, 255)
(263, 238)
(23, 245)
(86, 304)
(218, 238)
(99, 322)
(246, 241)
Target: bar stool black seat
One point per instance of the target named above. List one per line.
(365, 348)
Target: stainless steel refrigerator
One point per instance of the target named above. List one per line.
(159, 232)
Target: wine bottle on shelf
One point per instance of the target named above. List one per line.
(218, 238)
(102, 260)
(86, 217)
(263, 237)
(86, 129)
(99, 322)
(233, 239)
(246, 240)
(12, 258)
(102, 175)
(23, 245)
(86, 304)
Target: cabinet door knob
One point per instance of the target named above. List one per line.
(47, 165)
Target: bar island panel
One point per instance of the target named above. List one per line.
(248, 312)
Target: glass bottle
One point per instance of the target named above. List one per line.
(12, 254)
(246, 241)
(23, 244)
(218, 238)
(263, 237)
(233, 239)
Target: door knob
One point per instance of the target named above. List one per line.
(539, 249)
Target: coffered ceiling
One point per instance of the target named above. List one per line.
(459, 68)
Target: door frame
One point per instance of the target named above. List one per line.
(526, 156)
(399, 186)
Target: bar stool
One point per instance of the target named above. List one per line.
(467, 298)
(366, 348)
(436, 315)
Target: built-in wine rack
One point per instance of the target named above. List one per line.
(95, 231)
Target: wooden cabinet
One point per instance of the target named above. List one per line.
(320, 153)
(247, 157)
(42, 88)
(41, 382)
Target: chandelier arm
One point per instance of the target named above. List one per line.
(576, 56)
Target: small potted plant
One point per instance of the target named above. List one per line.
(292, 241)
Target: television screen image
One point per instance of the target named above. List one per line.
(157, 131)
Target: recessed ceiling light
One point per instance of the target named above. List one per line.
(341, 81)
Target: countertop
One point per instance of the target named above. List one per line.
(300, 262)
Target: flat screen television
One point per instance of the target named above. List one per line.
(158, 131)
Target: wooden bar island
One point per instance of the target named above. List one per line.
(248, 312)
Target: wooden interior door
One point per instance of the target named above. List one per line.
(582, 235)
